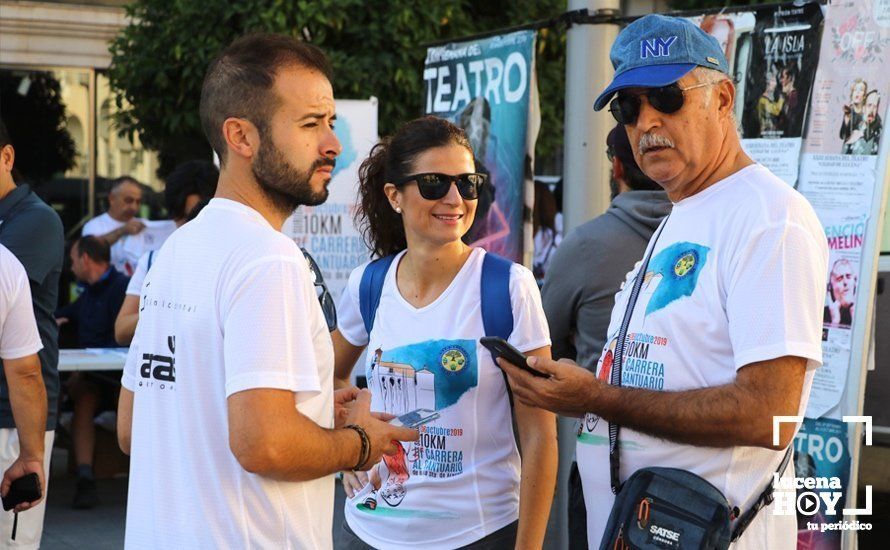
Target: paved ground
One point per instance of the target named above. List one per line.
(103, 527)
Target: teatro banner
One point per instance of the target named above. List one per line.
(327, 231)
(488, 88)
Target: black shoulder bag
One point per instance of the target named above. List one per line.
(668, 507)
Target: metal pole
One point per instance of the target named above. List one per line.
(585, 178)
(91, 147)
(588, 71)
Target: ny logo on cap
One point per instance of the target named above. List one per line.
(656, 47)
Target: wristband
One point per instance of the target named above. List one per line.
(366, 446)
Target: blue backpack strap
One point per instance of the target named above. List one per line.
(370, 289)
(497, 310)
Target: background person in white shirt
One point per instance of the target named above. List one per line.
(22, 450)
(726, 333)
(119, 222)
(188, 184)
(228, 408)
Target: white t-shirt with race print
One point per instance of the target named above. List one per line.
(227, 306)
(460, 481)
(737, 276)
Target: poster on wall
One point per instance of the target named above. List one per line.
(487, 87)
(784, 53)
(328, 231)
(850, 96)
(821, 453)
(838, 171)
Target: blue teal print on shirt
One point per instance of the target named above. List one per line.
(428, 375)
(678, 265)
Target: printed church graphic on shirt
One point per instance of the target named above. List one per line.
(433, 375)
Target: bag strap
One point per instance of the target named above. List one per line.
(618, 360)
(497, 310)
(764, 499)
(370, 289)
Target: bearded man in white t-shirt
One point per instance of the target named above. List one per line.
(227, 407)
(725, 333)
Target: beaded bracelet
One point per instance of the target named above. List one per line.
(366, 446)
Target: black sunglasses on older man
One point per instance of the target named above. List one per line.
(433, 185)
(666, 99)
(321, 289)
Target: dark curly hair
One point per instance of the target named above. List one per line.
(390, 160)
(193, 177)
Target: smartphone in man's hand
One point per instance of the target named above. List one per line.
(501, 348)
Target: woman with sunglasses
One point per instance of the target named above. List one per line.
(460, 485)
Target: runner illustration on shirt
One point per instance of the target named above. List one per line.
(434, 375)
(396, 475)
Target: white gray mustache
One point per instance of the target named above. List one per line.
(648, 141)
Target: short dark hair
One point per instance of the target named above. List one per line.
(391, 160)
(94, 247)
(4, 135)
(193, 177)
(239, 81)
(619, 147)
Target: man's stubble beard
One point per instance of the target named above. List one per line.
(285, 186)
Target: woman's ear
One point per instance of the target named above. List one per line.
(394, 195)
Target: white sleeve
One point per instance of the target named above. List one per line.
(530, 329)
(775, 292)
(18, 328)
(267, 338)
(131, 367)
(349, 315)
(91, 228)
(134, 287)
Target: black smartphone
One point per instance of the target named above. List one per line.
(24, 489)
(501, 348)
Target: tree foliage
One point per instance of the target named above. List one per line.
(376, 48)
(34, 114)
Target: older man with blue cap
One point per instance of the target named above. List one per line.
(717, 330)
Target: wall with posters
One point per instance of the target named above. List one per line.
(488, 88)
(327, 231)
(811, 100)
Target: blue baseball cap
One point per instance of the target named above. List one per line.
(657, 50)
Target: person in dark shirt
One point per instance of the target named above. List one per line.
(33, 232)
(96, 309)
(94, 312)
